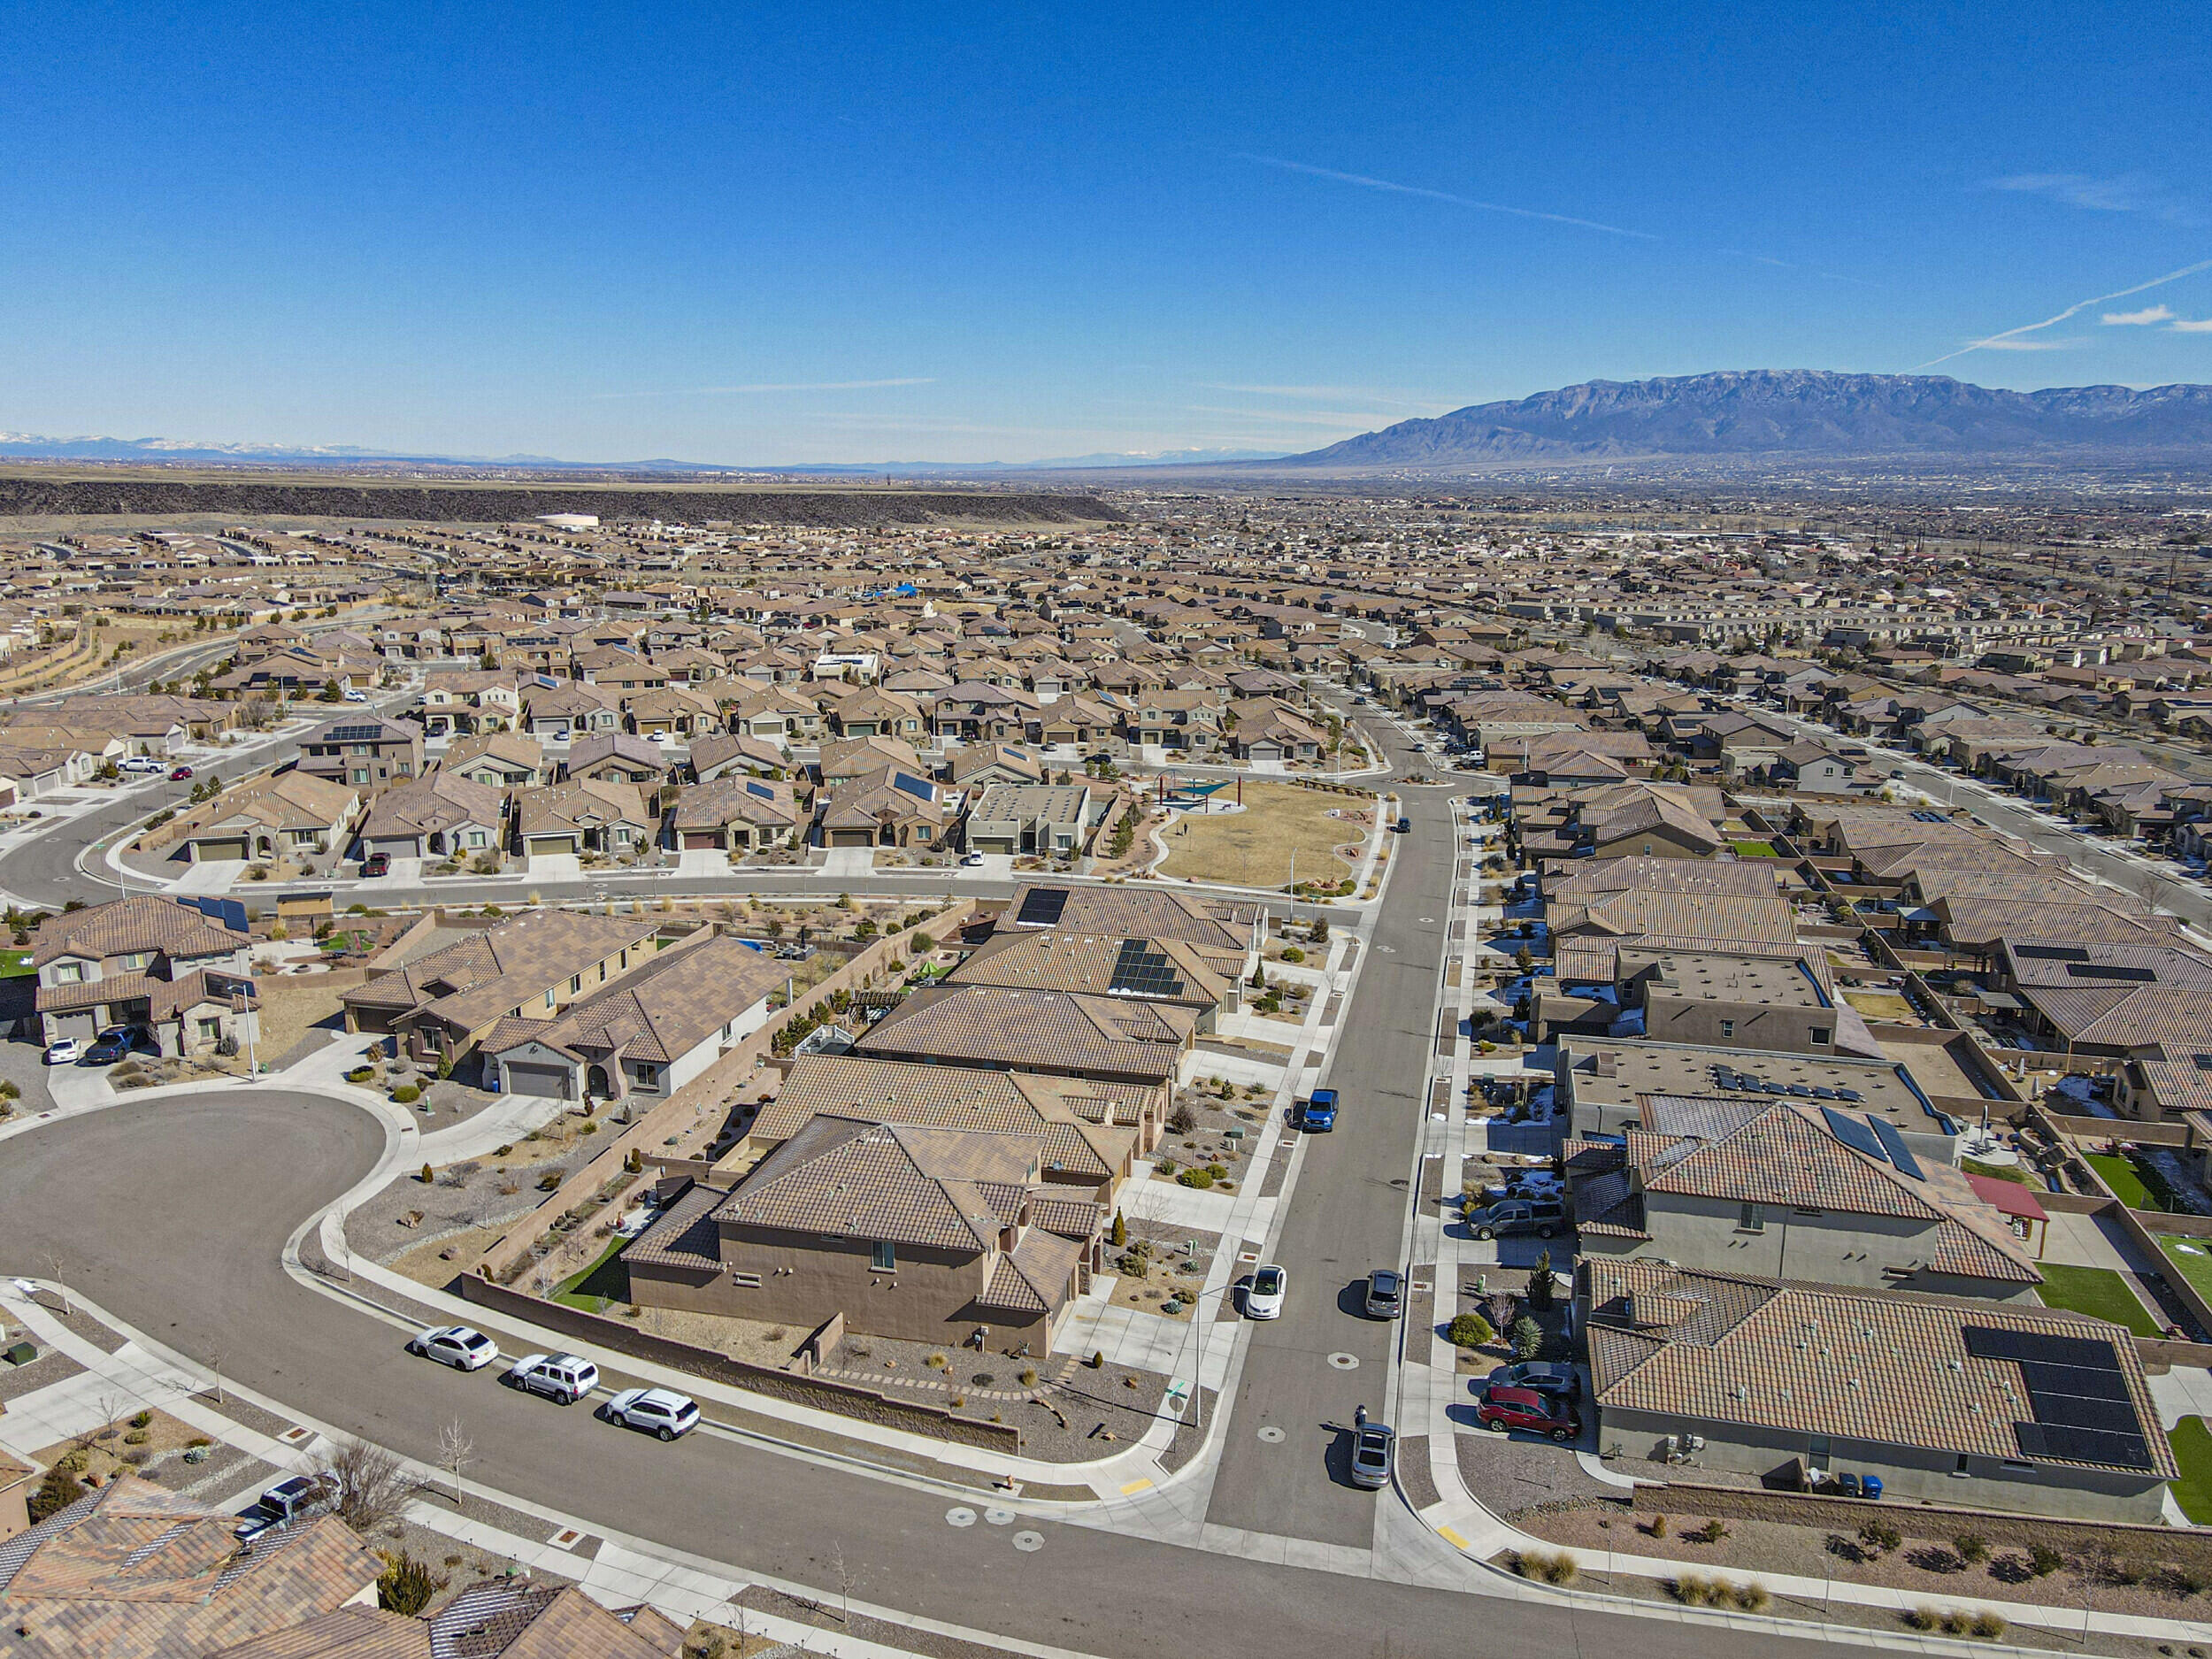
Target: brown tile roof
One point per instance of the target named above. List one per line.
(1886, 1367)
(502, 1621)
(141, 923)
(1061, 960)
(349, 1632)
(947, 1188)
(1088, 1035)
(659, 1011)
(1137, 913)
(474, 980)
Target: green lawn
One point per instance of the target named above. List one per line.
(14, 964)
(606, 1281)
(2098, 1290)
(2126, 1182)
(2193, 1450)
(2191, 1259)
(1754, 849)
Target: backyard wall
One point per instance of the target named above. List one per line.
(844, 1399)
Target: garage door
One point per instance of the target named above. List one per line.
(547, 1081)
(212, 850)
(701, 838)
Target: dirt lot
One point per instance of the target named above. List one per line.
(290, 1006)
(1253, 847)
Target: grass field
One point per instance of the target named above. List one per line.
(605, 1281)
(1253, 847)
(2120, 1174)
(2191, 1259)
(1754, 849)
(1881, 1005)
(2099, 1292)
(2192, 1449)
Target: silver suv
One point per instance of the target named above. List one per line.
(1542, 1217)
(563, 1376)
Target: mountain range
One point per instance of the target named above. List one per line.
(1807, 414)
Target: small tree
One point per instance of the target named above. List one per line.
(372, 1485)
(1528, 1337)
(55, 1493)
(330, 692)
(406, 1585)
(456, 1452)
(1119, 1237)
(1540, 1292)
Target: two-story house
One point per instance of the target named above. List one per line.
(147, 962)
(363, 752)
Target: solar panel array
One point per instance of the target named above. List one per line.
(1041, 908)
(913, 786)
(2108, 971)
(2051, 953)
(353, 733)
(1142, 970)
(1854, 1133)
(1893, 1143)
(761, 791)
(2077, 1396)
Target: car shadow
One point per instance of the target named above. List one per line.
(1352, 1299)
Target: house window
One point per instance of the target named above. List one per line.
(211, 1029)
(1728, 1028)
(1749, 1220)
(136, 960)
(885, 1258)
(1960, 1469)
(360, 774)
(68, 973)
(1819, 1034)
(549, 996)
(575, 983)
(476, 838)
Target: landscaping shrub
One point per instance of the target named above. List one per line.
(547, 1182)
(56, 1492)
(1711, 1532)
(1880, 1537)
(1988, 1625)
(362, 1074)
(1971, 1547)
(1546, 1566)
(1291, 953)
(2042, 1560)
(406, 1584)
(140, 1419)
(1692, 1589)
(1528, 1337)
(1182, 1120)
(427, 1176)
(1201, 1179)
(1470, 1330)
(407, 1093)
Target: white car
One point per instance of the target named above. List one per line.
(661, 1411)
(566, 1378)
(143, 766)
(357, 696)
(972, 860)
(69, 1051)
(1264, 1297)
(458, 1346)
(657, 737)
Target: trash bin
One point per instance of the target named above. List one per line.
(1871, 1486)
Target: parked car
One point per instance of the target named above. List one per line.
(1524, 1183)
(659, 737)
(1405, 825)
(69, 1051)
(1374, 1449)
(1542, 1217)
(376, 864)
(1385, 1293)
(140, 766)
(660, 1411)
(971, 859)
(357, 696)
(1536, 1373)
(1319, 1114)
(1264, 1297)
(178, 774)
(290, 1500)
(116, 1043)
(566, 1378)
(458, 1346)
(1537, 1411)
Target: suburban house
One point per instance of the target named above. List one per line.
(1093, 1135)
(978, 766)
(149, 962)
(499, 760)
(725, 754)
(1976, 1404)
(362, 752)
(585, 815)
(1050, 819)
(1106, 1039)
(1172, 971)
(289, 811)
(1797, 1189)
(886, 808)
(906, 1231)
(647, 1035)
(615, 757)
(1782, 1001)
(1226, 926)
(1262, 729)
(444, 815)
(464, 701)
(442, 1005)
(736, 814)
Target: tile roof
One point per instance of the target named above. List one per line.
(1885, 1367)
(1056, 1030)
(945, 1188)
(1131, 912)
(139, 923)
(476, 979)
(660, 1011)
(509, 1621)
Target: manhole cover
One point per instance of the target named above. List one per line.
(960, 1515)
(998, 1518)
(1273, 1435)
(1345, 1362)
(1028, 1542)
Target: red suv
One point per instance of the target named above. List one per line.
(1536, 1410)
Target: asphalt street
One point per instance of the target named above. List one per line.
(1346, 1218)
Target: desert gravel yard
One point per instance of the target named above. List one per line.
(1253, 847)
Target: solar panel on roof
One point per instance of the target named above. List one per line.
(1770, 1086)
(1893, 1143)
(1854, 1133)
(761, 791)
(912, 785)
(2105, 971)
(1849, 1094)
(2051, 953)
(1823, 1093)
(1140, 971)
(1041, 907)
(353, 733)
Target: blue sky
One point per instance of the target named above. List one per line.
(762, 234)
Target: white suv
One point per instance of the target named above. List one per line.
(661, 1411)
(564, 1376)
(458, 1346)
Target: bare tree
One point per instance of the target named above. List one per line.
(456, 1452)
(215, 1358)
(61, 1288)
(373, 1485)
(846, 1579)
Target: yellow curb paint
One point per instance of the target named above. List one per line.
(1134, 1486)
(1451, 1538)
